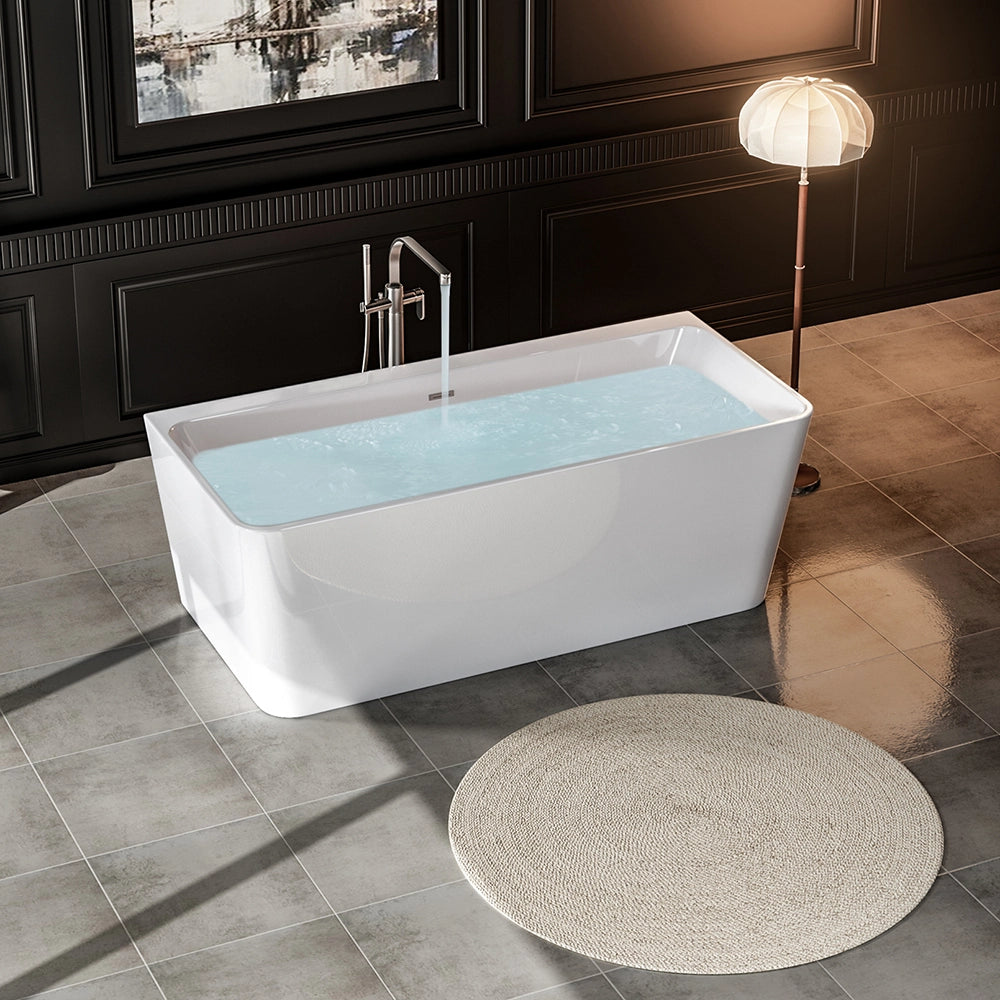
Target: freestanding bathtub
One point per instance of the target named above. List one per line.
(331, 609)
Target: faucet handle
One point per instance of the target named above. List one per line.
(415, 296)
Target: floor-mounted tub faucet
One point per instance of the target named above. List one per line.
(395, 298)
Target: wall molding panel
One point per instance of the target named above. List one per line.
(931, 237)
(21, 388)
(935, 102)
(441, 184)
(17, 154)
(575, 285)
(588, 54)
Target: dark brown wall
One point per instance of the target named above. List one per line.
(578, 163)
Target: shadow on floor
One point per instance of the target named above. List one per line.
(56, 969)
(14, 495)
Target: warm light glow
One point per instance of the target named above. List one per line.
(806, 122)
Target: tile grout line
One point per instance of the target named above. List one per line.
(403, 895)
(837, 982)
(975, 864)
(715, 652)
(93, 874)
(955, 746)
(969, 892)
(540, 994)
(545, 670)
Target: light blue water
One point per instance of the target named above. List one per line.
(297, 476)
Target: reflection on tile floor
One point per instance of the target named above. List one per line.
(162, 838)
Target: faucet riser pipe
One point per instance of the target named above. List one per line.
(394, 293)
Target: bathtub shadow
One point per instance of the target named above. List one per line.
(14, 495)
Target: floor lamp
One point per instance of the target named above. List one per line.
(805, 122)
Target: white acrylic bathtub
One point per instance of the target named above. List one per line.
(337, 609)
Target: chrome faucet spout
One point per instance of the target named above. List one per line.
(395, 298)
(396, 251)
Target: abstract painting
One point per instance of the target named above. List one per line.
(197, 57)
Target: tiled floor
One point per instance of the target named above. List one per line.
(160, 837)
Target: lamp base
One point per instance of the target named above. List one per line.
(806, 480)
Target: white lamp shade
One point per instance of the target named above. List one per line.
(806, 122)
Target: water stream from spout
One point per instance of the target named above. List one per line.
(445, 340)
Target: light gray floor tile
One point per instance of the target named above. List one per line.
(98, 478)
(57, 928)
(832, 471)
(137, 984)
(806, 982)
(985, 553)
(36, 544)
(985, 326)
(117, 525)
(964, 783)
(983, 881)
(974, 408)
(314, 960)
(403, 824)
(798, 630)
(970, 305)
(883, 439)
(931, 597)
(287, 761)
(967, 667)
(950, 499)
(208, 888)
(661, 663)
(202, 675)
(32, 835)
(59, 618)
(834, 378)
(838, 529)
(779, 345)
(959, 357)
(456, 772)
(948, 948)
(447, 943)
(24, 493)
(148, 590)
(86, 702)
(594, 988)
(876, 324)
(11, 755)
(785, 571)
(148, 788)
(889, 701)
(456, 722)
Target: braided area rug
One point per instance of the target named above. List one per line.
(696, 834)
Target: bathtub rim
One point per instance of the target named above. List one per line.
(164, 422)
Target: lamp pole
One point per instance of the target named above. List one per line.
(807, 478)
(800, 267)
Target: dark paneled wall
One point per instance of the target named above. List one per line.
(576, 163)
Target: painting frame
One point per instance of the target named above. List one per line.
(119, 146)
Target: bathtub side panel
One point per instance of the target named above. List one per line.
(451, 586)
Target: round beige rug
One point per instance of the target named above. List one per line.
(696, 834)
